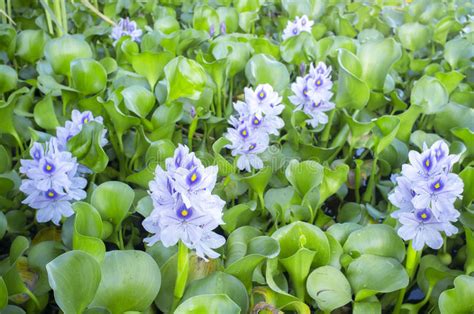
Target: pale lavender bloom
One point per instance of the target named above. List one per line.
(423, 228)
(439, 193)
(74, 127)
(312, 94)
(262, 100)
(125, 27)
(270, 121)
(184, 207)
(247, 143)
(297, 26)
(402, 196)
(52, 182)
(223, 28)
(422, 166)
(425, 196)
(212, 30)
(316, 112)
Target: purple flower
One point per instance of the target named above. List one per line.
(125, 27)
(52, 182)
(74, 127)
(297, 26)
(223, 28)
(258, 117)
(425, 196)
(312, 94)
(422, 227)
(184, 207)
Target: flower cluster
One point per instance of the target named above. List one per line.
(73, 127)
(184, 207)
(52, 182)
(258, 118)
(54, 175)
(425, 195)
(297, 26)
(125, 27)
(312, 94)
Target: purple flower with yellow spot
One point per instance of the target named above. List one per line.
(74, 126)
(52, 182)
(297, 26)
(184, 207)
(425, 196)
(422, 227)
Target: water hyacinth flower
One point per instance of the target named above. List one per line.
(125, 27)
(425, 196)
(312, 94)
(52, 182)
(258, 118)
(74, 127)
(184, 207)
(297, 26)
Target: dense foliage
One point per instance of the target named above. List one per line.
(236, 156)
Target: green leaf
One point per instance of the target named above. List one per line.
(3, 294)
(376, 58)
(459, 299)
(151, 65)
(332, 181)
(298, 49)
(74, 277)
(430, 94)
(205, 18)
(385, 132)
(44, 113)
(86, 146)
(219, 283)
(88, 231)
(458, 52)
(467, 175)
(352, 92)
(209, 304)
(186, 79)
(300, 234)
(414, 36)
(246, 249)
(329, 288)
(60, 52)
(138, 100)
(304, 176)
(381, 240)
(30, 44)
(82, 70)
(8, 78)
(263, 69)
(386, 275)
(113, 200)
(130, 282)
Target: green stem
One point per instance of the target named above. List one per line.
(357, 179)
(9, 9)
(192, 130)
(412, 261)
(2, 9)
(219, 103)
(49, 22)
(182, 274)
(64, 15)
(327, 130)
(370, 192)
(57, 13)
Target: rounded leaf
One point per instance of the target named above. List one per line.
(329, 288)
(263, 69)
(130, 282)
(74, 277)
(209, 304)
(113, 200)
(138, 100)
(88, 76)
(60, 52)
(8, 78)
(381, 240)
